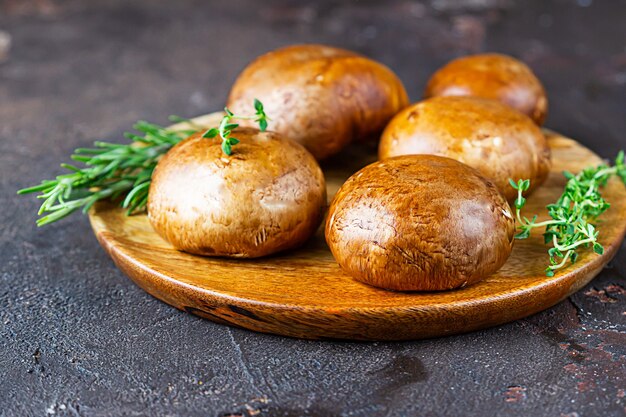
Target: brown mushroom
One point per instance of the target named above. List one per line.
(500, 142)
(319, 96)
(419, 222)
(495, 76)
(268, 196)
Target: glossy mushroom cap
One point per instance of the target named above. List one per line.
(498, 141)
(268, 196)
(319, 96)
(495, 76)
(419, 222)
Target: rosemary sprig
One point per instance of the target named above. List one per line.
(571, 226)
(112, 170)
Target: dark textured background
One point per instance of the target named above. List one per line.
(78, 338)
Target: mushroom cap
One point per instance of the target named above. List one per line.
(419, 222)
(321, 97)
(495, 76)
(268, 196)
(498, 141)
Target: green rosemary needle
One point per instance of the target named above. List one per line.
(572, 215)
(112, 170)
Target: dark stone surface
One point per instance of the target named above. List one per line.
(78, 338)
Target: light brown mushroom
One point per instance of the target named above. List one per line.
(500, 142)
(495, 76)
(419, 222)
(321, 97)
(268, 196)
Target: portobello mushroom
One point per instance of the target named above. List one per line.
(419, 222)
(268, 196)
(321, 97)
(495, 76)
(500, 142)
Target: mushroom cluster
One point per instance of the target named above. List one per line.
(432, 214)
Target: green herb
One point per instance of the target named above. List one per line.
(226, 127)
(571, 226)
(112, 170)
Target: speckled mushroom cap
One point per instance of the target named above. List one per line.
(268, 196)
(495, 76)
(485, 134)
(319, 96)
(419, 222)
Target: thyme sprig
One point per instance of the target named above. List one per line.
(112, 170)
(226, 127)
(571, 226)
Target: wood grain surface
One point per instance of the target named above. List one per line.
(305, 294)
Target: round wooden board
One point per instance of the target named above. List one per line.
(304, 293)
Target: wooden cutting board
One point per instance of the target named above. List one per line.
(304, 293)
